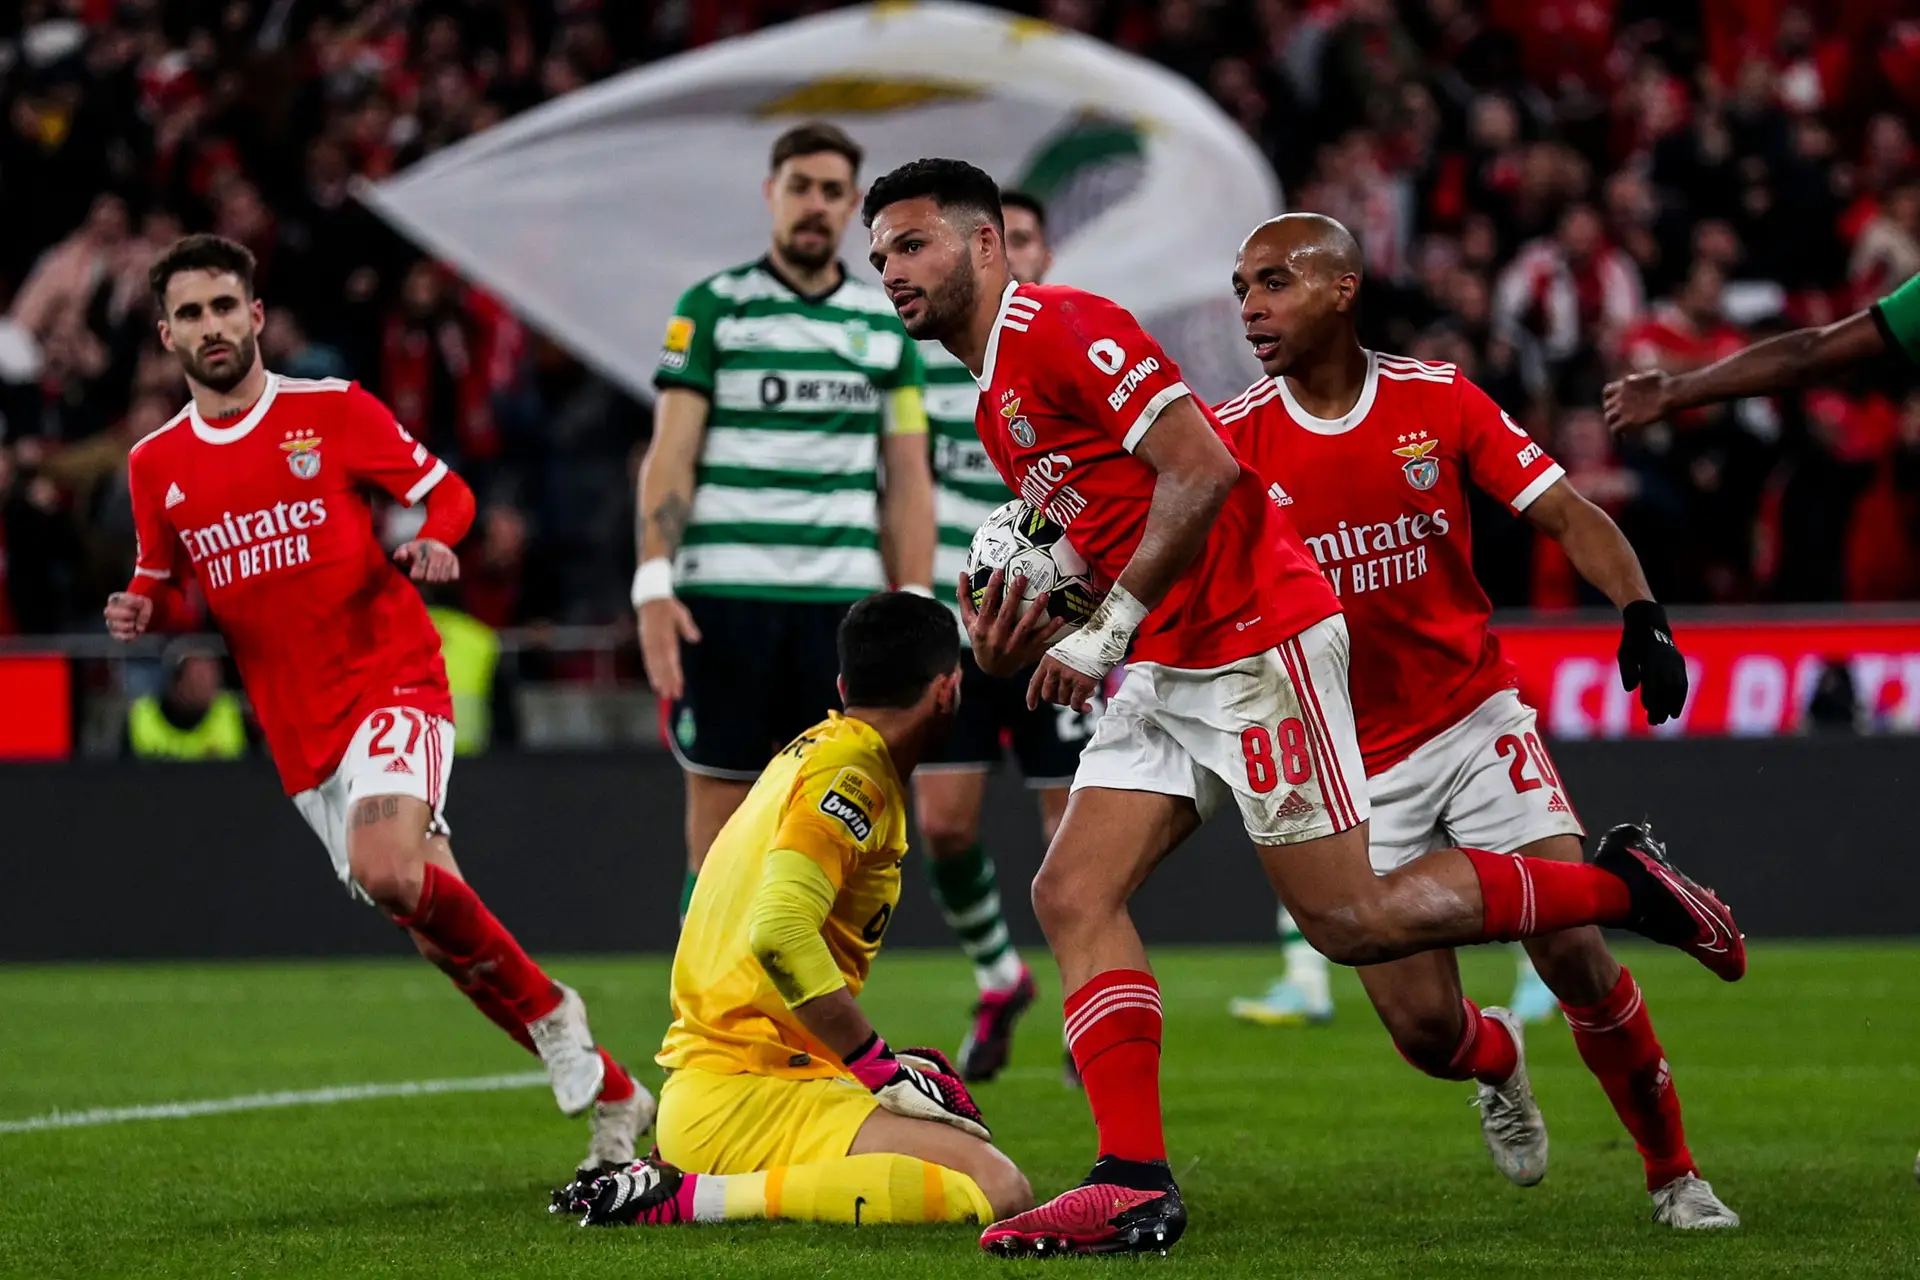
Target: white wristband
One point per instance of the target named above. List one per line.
(918, 589)
(1099, 647)
(653, 580)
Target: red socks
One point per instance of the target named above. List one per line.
(488, 1001)
(1113, 1031)
(452, 917)
(1485, 1053)
(1526, 897)
(1616, 1041)
(619, 1085)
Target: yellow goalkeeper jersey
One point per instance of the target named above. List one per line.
(833, 796)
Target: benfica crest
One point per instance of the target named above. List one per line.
(303, 454)
(1423, 472)
(1017, 426)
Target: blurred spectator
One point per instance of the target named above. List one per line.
(1573, 291)
(192, 717)
(1521, 174)
(1888, 250)
(287, 349)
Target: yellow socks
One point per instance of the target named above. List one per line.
(878, 1187)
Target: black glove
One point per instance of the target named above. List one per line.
(1651, 662)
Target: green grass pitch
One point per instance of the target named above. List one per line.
(1302, 1152)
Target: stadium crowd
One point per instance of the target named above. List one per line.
(1547, 191)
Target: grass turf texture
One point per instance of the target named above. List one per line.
(1301, 1152)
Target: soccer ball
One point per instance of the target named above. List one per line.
(1025, 541)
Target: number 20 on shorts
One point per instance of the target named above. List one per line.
(1256, 744)
(1510, 744)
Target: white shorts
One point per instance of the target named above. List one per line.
(396, 751)
(1274, 731)
(1486, 783)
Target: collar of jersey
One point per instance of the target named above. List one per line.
(238, 431)
(768, 265)
(985, 376)
(1335, 426)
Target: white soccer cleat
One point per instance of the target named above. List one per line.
(566, 1047)
(617, 1126)
(1688, 1204)
(1510, 1119)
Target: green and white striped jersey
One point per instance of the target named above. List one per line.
(966, 488)
(800, 390)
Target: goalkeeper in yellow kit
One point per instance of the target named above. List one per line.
(781, 1100)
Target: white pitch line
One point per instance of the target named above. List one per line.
(263, 1101)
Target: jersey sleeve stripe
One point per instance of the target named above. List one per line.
(1541, 483)
(1150, 413)
(1414, 375)
(162, 574)
(425, 484)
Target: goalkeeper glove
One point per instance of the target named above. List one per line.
(1651, 662)
(919, 1083)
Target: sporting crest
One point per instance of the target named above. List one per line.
(1423, 472)
(303, 454)
(1017, 426)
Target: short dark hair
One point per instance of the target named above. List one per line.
(812, 138)
(199, 252)
(1010, 199)
(893, 644)
(951, 184)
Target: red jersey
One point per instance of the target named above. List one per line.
(1382, 497)
(1070, 384)
(268, 513)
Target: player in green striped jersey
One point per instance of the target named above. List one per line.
(1782, 362)
(950, 786)
(787, 391)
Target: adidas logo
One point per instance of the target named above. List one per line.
(174, 496)
(1556, 805)
(1295, 806)
(399, 765)
(1281, 498)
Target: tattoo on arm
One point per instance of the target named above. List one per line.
(669, 517)
(376, 809)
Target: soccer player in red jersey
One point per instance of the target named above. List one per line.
(258, 489)
(1370, 455)
(1236, 687)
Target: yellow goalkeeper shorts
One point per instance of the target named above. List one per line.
(712, 1123)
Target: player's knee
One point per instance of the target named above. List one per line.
(1575, 964)
(1427, 1038)
(390, 876)
(1059, 904)
(1345, 934)
(948, 832)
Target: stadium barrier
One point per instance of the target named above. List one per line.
(1754, 670)
(582, 851)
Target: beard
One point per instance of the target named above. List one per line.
(226, 378)
(809, 258)
(949, 305)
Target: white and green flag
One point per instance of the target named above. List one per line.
(592, 213)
